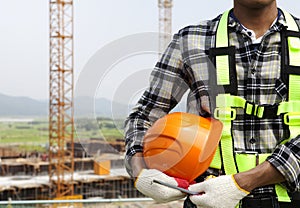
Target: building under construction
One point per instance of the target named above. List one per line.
(104, 176)
(86, 184)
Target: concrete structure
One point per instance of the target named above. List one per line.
(28, 179)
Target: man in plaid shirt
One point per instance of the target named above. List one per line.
(254, 28)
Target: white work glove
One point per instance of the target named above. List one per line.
(218, 192)
(160, 193)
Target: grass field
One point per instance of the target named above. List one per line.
(33, 135)
(20, 132)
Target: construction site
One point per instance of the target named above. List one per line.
(70, 170)
(73, 152)
(28, 178)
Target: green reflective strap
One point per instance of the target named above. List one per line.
(282, 193)
(294, 50)
(294, 89)
(289, 106)
(293, 42)
(228, 156)
(222, 32)
(216, 162)
(223, 111)
(227, 149)
(263, 157)
(222, 64)
(247, 161)
(227, 100)
(292, 107)
(222, 61)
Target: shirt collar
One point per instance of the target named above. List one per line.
(281, 20)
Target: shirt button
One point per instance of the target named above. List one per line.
(252, 141)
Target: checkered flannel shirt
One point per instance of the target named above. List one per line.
(184, 66)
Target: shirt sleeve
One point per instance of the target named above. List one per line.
(286, 159)
(166, 88)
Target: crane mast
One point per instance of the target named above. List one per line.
(61, 65)
(61, 120)
(165, 23)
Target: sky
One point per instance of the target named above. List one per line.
(24, 42)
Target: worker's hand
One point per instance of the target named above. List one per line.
(218, 192)
(144, 183)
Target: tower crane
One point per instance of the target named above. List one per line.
(61, 66)
(165, 23)
(61, 121)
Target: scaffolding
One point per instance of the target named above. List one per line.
(61, 121)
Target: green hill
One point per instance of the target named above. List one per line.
(83, 106)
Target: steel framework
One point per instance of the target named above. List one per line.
(61, 118)
(165, 23)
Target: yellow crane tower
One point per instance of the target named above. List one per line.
(61, 66)
(61, 121)
(165, 23)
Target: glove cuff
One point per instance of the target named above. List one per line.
(238, 186)
(136, 179)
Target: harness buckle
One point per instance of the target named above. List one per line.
(250, 108)
(267, 111)
(261, 111)
(292, 118)
(225, 114)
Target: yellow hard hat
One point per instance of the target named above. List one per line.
(182, 145)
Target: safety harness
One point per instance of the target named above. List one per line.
(223, 55)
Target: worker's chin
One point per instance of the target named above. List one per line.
(255, 4)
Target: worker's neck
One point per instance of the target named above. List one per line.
(258, 20)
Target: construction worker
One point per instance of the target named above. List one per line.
(259, 79)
